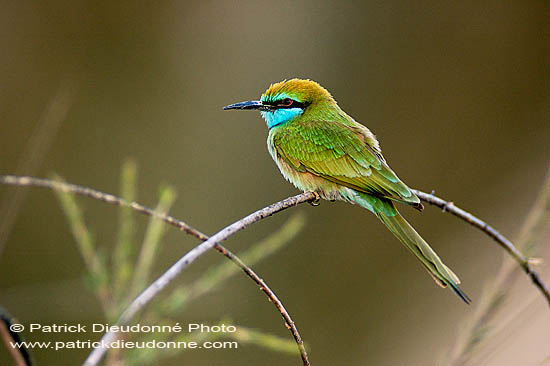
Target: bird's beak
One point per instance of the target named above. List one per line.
(253, 104)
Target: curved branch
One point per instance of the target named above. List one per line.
(493, 233)
(164, 280)
(105, 197)
(158, 285)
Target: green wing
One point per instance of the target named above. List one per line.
(344, 154)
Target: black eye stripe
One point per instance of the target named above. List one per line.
(278, 104)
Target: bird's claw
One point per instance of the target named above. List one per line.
(316, 201)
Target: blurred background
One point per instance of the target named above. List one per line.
(457, 93)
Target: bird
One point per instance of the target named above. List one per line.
(319, 148)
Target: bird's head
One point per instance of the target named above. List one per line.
(286, 100)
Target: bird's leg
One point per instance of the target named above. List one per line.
(316, 201)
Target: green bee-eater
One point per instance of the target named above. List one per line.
(320, 148)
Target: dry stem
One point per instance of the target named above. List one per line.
(493, 233)
(105, 197)
(146, 296)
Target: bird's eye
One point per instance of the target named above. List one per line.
(287, 102)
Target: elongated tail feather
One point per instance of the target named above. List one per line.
(442, 275)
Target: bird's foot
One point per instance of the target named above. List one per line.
(316, 201)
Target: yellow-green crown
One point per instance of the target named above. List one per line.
(303, 90)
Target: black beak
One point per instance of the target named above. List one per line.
(253, 104)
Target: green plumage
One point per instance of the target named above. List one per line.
(318, 147)
(341, 154)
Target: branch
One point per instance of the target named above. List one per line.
(485, 321)
(20, 355)
(108, 198)
(489, 230)
(149, 293)
(208, 243)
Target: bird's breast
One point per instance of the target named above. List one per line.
(303, 180)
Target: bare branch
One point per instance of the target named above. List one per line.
(273, 298)
(164, 280)
(484, 324)
(105, 197)
(208, 243)
(20, 355)
(489, 230)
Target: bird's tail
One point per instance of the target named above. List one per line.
(442, 275)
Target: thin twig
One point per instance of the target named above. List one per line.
(105, 197)
(164, 280)
(20, 355)
(429, 198)
(215, 276)
(489, 230)
(494, 297)
(273, 298)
